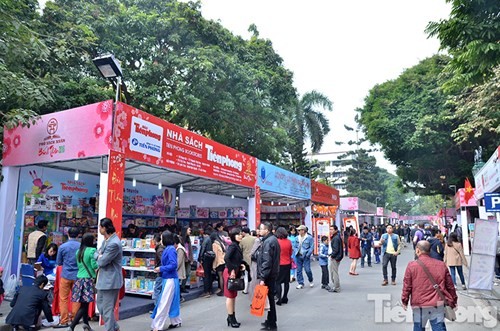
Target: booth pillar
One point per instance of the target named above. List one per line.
(111, 192)
(251, 213)
(8, 204)
(464, 223)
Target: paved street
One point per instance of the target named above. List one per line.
(311, 308)
(316, 309)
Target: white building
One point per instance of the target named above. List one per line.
(332, 169)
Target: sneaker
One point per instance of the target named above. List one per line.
(385, 282)
(334, 290)
(326, 287)
(393, 282)
(323, 287)
(300, 286)
(464, 287)
(311, 284)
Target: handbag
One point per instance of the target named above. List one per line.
(449, 312)
(259, 300)
(235, 284)
(200, 272)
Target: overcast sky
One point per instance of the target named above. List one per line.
(341, 48)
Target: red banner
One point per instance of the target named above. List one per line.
(143, 137)
(324, 194)
(115, 190)
(257, 207)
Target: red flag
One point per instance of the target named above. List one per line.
(469, 191)
(440, 214)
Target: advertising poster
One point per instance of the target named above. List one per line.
(274, 179)
(47, 186)
(321, 227)
(67, 135)
(482, 265)
(143, 137)
(351, 221)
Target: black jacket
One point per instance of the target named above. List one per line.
(234, 258)
(268, 259)
(206, 246)
(337, 251)
(27, 305)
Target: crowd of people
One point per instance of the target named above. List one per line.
(237, 260)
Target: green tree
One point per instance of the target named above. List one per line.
(310, 120)
(307, 122)
(478, 114)
(23, 89)
(412, 121)
(177, 66)
(471, 36)
(364, 179)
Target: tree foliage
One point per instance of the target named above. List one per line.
(176, 64)
(471, 35)
(364, 178)
(411, 120)
(22, 89)
(478, 113)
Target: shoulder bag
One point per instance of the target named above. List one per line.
(235, 284)
(449, 313)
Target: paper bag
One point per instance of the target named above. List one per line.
(259, 300)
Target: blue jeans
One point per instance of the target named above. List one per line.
(366, 251)
(157, 289)
(435, 315)
(460, 274)
(306, 264)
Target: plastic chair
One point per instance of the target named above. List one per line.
(27, 274)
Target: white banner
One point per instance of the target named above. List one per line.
(482, 266)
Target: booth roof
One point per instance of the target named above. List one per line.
(149, 174)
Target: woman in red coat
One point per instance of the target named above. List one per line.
(354, 251)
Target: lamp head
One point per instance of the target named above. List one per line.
(108, 66)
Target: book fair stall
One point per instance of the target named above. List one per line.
(283, 196)
(77, 166)
(325, 202)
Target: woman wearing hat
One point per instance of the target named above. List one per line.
(303, 256)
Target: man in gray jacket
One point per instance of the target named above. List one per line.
(109, 278)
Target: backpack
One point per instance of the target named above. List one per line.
(437, 249)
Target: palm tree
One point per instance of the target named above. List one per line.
(309, 120)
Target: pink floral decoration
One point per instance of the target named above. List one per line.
(6, 149)
(108, 139)
(98, 130)
(81, 154)
(17, 141)
(121, 120)
(104, 109)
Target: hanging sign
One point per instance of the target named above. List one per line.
(67, 135)
(324, 194)
(143, 137)
(277, 180)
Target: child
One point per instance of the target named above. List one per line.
(1, 287)
(323, 262)
(48, 261)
